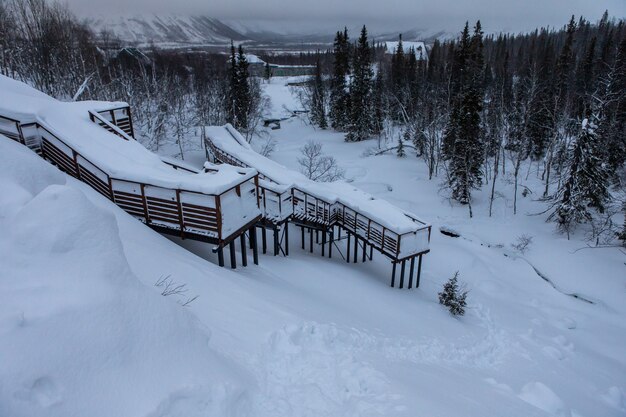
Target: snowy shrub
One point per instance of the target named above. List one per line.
(317, 166)
(522, 244)
(169, 287)
(400, 152)
(454, 296)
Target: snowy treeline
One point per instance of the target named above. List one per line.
(170, 92)
(481, 105)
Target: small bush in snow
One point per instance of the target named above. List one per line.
(169, 287)
(522, 244)
(454, 296)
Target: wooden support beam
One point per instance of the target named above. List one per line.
(264, 239)
(302, 229)
(244, 253)
(286, 238)
(220, 256)
(356, 248)
(402, 273)
(233, 259)
(332, 239)
(317, 237)
(371, 252)
(310, 240)
(411, 268)
(323, 242)
(348, 247)
(393, 274)
(364, 250)
(419, 272)
(276, 242)
(254, 245)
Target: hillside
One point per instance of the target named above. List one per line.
(167, 29)
(88, 333)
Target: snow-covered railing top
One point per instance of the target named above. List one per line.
(123, 159)
(226, 139)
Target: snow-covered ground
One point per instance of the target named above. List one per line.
(84, 331)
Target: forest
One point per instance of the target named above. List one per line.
(549, 103)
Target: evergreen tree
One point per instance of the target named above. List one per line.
(339, 97)
(462, 139)
(586, 182)
(378, 115)
(400, 150)
(233, 86)
(242, 95)
(361, 121)
(318, 108)
(267, 72)
(453, 296)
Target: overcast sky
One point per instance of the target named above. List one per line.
(308, 15)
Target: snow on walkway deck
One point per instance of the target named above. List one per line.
(227, 140)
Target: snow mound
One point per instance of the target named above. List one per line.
(84, 335)
(542, 397)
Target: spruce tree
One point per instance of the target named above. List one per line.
(233, 86)
(453, 296)
(462, 147)
(361, 123)
(586, 182)
(242, 96)
(318, 110)
(339, 97)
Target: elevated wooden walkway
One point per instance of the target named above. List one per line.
(303, 204)
(176, 211)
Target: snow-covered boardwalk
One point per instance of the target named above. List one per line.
(328, 208)
(92, 142)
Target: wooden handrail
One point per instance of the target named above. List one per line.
(116, 130)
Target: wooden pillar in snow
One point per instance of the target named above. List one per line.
(254, 245)
(402, 273)
(244, 253)
(412, 267)
(233, 259)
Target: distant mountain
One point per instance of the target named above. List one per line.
(167, 29)
(184, 30)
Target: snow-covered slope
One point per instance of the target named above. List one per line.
(84, 331)
(79, 333)
(167, 29)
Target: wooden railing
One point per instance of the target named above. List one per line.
(120, 117)
(101, 121)
(188, 211)
(308, 207)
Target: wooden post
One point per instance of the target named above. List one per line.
(402, 273)
(286, 238)
(233, 259)
(419, 272)
(393, 273)
(348, 247)
(302, 229)
(310, 240)
(180, 215)
(323, 242)
(253, 243)
(364, 250)
(356, 248)
(244, 253)
(264, 239)
(220, 256)
(145, 204)
(332, 239)
(276, 242)
(371, 252)
(412, 266)
(317, 237)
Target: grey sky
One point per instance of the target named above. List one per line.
(317, 15)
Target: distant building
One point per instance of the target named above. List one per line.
(419, 47)
(257, 68)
